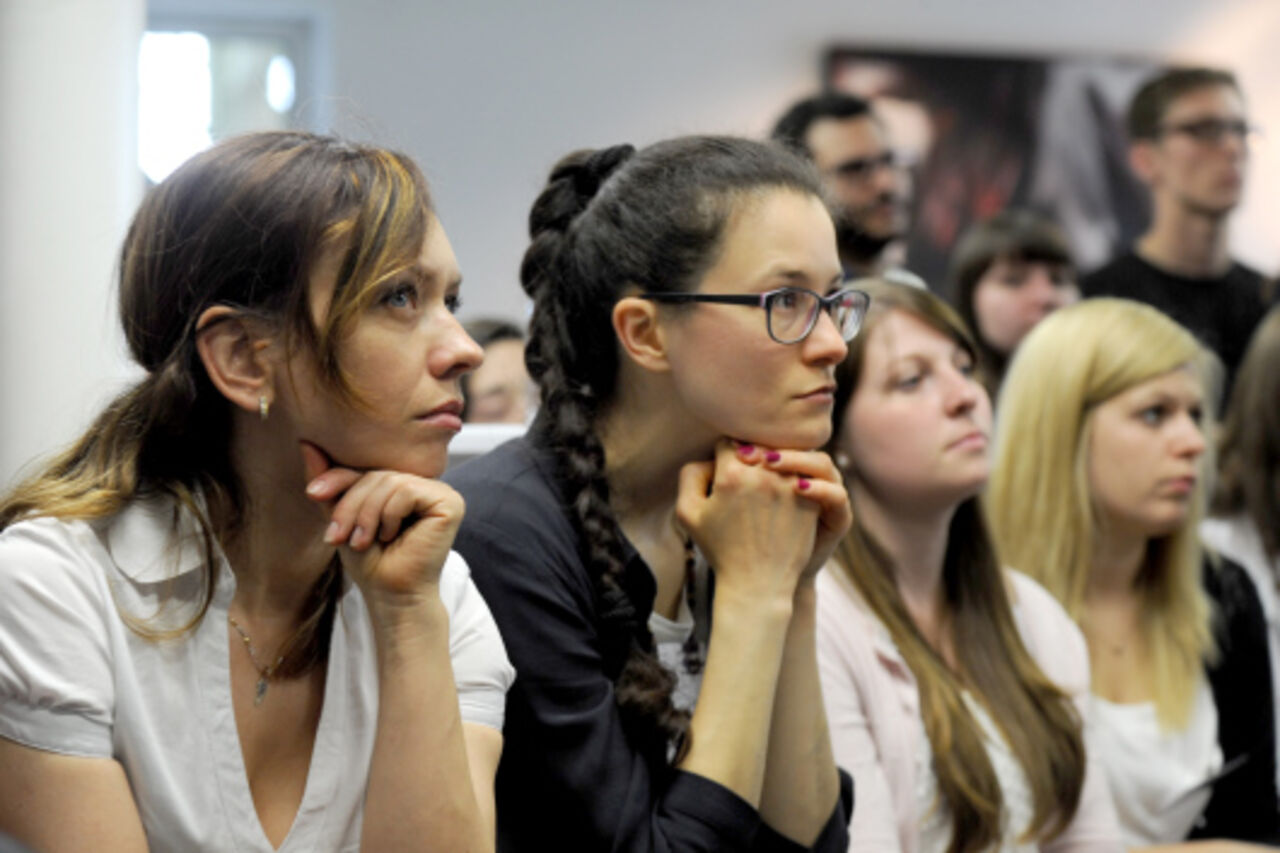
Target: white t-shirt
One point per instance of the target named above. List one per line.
(75, 679)
(1160, 780)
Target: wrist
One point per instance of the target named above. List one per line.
(397, 617)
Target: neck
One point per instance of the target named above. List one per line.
(1117, 563)
(916, 539)
(1185, 242)
(646, 445)
(277, 553)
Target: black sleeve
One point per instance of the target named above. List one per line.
(1243, 805)
(834, 837)
(569, 778)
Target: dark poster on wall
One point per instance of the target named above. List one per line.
(981, 133)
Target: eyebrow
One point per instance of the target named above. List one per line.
(798, 277)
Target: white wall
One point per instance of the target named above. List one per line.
(488, 93)
(68, 185)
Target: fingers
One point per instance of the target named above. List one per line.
(805, 464)
(834, 512)
(377, 507)
(314, 460)
(695, 485)
(324, 481)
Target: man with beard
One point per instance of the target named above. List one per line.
(850, 147)
(1189, 143)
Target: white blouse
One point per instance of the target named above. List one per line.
(1160, 780)
(75, 679)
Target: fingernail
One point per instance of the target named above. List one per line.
(357, 536)
(773, 456)
(331, 533)
(315, 487)
(746, 449)
(803, 483)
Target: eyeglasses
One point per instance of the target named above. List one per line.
(862, 168)
(790, 312)
(1211, 130)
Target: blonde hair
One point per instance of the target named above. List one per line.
(1039, 500)
(1036, 717)
(242, 224)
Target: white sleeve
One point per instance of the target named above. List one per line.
(481, 670)
(57, 690)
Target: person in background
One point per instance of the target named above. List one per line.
(649, 548)
(955, 688)
(499, 390)
(229, 613)
(1007, 274)
(1098, 490)
(850, 147)
(1189, 138)
(1245, 513)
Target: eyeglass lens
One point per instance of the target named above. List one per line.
(792, 314)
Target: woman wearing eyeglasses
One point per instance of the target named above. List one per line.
(954, 687)
(650, 548)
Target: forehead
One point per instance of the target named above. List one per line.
(782, 231)
(900, 334)
(1216, 100)
(1181, 384)
(835, 139)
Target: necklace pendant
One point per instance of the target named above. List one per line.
(260, 691)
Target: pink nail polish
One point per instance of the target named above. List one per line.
(773, 456)
(803, 483)
(746, 449)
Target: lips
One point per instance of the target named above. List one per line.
(447, 416)
(976, 438)
(452, 407)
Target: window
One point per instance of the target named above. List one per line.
(204, 78)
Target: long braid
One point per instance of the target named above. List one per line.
(643, 685)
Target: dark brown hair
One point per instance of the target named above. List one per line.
(1036, 718)
(1153, 98)
(609, 221)
(241, 224)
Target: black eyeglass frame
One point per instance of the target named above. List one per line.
(765, 300)
(1212, 131)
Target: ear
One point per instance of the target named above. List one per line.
(1143, 160)
(639, 331)
(232, 349)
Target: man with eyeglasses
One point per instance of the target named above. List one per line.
(1189, 143)
(850, 147)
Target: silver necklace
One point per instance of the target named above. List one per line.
(264, 672)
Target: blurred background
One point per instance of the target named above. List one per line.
(100, 97)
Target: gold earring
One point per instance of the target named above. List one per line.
(264, 407)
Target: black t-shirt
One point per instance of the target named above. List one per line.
(570, 778)
(1222, 312)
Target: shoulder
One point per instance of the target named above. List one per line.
(49, 559)
(1049, 633)
(1110, 278)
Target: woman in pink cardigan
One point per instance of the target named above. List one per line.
(955, 690)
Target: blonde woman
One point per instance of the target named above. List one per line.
(954, 687)
(1098, 489)
(1245, 522)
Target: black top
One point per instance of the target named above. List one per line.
(570, 779)
(1222, 312)
(1243, 805)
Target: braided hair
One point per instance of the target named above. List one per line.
(610, 221)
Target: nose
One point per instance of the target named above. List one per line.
(961, 393)
(454, 352)
(825, 345)
(1044, 290)
(1188, 441)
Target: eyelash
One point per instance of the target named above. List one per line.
(453, 302)
(403, 288)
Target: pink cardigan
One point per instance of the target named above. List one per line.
(873, 706)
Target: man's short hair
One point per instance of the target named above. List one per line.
(792, 128)
(1149, 105)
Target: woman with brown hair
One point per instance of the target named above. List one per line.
(649, 548)
(230, 618)
(1244, 522)
(954, 687)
